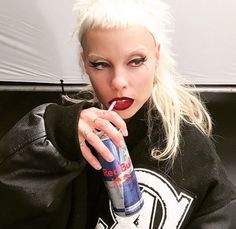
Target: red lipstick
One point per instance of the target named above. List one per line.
(122, 103)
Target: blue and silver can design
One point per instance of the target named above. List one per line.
(120, 180)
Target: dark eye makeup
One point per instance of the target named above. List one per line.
(138, 61)
(134, 62)
(99, 64)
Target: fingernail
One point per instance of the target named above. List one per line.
(124, 132)
(110, 158)
(97, 166)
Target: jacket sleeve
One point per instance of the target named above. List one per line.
(39, 160)
(222, 218)
(218, 207)
(215, 206)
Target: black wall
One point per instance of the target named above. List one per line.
(222, 106)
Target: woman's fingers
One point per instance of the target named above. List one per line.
(91, 122)
(89, 157)
(108, 122)
(112, 125)
(98, 145)
(93, 115)
(114, 118)
(93, 139)
(111, 131)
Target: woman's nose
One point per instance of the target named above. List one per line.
(119, 79)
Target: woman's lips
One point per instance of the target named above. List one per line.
(122, 103)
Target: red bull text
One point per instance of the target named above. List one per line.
(120, 180)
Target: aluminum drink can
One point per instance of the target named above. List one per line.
(120, 180)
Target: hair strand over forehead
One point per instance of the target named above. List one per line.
(151, 14)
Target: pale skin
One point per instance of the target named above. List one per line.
(121, 65)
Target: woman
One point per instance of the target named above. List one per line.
(45, 181)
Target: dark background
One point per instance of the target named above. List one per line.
(222, 106)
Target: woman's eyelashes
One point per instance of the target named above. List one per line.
(99, 65)
(138, 61)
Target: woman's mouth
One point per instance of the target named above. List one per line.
(122, 103)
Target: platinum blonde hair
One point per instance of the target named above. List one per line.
(175, 103)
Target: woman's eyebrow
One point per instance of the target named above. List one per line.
(134, 51)
(129, 53)
(137, 52)
(92, 54)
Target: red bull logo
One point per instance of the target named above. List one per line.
(118, 170)
(121, 178)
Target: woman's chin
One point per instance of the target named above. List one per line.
(126, 115)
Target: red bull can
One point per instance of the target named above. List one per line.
(120, 180)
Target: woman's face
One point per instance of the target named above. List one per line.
(121, 65)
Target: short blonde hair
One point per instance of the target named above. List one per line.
(175, 103)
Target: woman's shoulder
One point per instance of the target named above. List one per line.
(196, 144)
(198, 158)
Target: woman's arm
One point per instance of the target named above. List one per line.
(216, 195)
(39, 159)
(222, 218)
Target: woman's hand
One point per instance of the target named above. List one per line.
(93, 120)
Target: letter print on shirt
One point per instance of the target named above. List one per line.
(162, 205)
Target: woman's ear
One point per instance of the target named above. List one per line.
(158, 47)
(157, 54)
(82, 61)
(82, 56)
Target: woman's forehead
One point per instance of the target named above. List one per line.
(132, 35)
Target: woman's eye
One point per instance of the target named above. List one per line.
(138, 61)
(99, 65)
